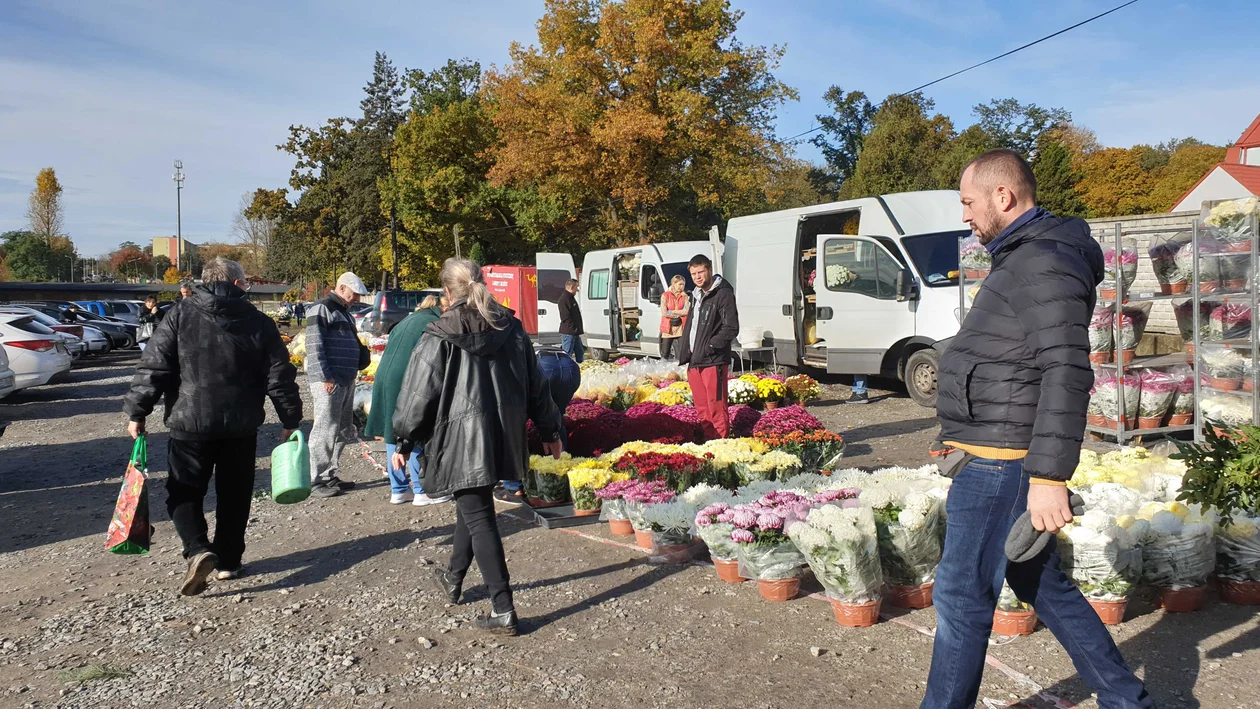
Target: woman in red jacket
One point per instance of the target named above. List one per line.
(673, 316)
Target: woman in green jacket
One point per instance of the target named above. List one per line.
(389, 377)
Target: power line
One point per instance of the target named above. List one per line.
(987, 61)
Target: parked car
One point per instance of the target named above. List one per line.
(8, 382)
(127, 310)
(98, 307)
(121, 335)
(97, 342)
(389, 307)
(36, 354)
(69, 334)
(359, 311)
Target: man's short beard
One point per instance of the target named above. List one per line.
(992, 228)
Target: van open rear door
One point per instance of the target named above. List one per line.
(553, 271)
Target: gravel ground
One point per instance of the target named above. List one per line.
(335, 610)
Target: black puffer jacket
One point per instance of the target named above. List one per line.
(1017, 375)
(466, 396)
(716, 322)
(216, 358)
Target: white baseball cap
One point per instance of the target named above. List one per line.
(353, 282)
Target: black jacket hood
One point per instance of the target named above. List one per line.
(222, 301)
(1070, 231)
(464, 327)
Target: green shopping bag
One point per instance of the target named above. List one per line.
(129, 531)
(291, 470)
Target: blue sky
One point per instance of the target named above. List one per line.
(109, 93)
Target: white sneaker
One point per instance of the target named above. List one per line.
(423, 500)
(400, 498)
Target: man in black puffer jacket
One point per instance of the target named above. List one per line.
(1013, 390)
(216, 358)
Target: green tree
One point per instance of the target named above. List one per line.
(477, 254)
(28, 256)
(1057, 178)
(1016, 126)
(840, 139)
(960, 150)
(158, 265)
(902, 149)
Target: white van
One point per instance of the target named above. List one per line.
(619, 294)
(865, 286)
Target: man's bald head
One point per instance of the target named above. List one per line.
(995, 189)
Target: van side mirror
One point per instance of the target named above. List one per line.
(907, 286)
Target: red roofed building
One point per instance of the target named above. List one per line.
(1236, 178)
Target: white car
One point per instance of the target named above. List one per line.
(69, 334)
(7, 379)
(36, 353)
(96, 341)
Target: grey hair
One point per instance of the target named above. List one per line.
(463, 280)
(221, 270)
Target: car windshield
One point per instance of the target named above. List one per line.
(936, 256)
(39, 317)
(677, 269)
(28, 324)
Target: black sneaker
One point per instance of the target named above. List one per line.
(342, 484)
(446, 582)
(498, 624)
(199, 569)
(856, 398)
(511, 498)
(325, 490)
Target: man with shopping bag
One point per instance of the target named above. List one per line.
(216, 358)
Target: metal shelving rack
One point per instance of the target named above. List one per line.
(1121, 432)
(1248, 297)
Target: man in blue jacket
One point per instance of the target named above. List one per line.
(1013, 390)
(333, 361)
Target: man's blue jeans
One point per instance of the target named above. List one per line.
(563, 379)
(984, 502)
(859, 383)
(398, 478)
(573, 345)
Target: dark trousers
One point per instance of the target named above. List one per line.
(984, 501)
(667, 348)
(477, 537)
(192, 463)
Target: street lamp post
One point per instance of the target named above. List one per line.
(178, 177)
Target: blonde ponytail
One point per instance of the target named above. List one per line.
(463, 280)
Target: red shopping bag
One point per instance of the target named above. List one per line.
(129, 530)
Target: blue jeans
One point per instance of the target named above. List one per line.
(984, 502)
(563, 379)
(573, 345)
(398, 478)
(859, 383)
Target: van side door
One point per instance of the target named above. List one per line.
(553, 270)
(859, 316)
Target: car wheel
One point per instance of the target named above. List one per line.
(921, 376)
(128, 343)
(599, 355)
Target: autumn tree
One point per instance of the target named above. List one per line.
(1187, 164)
(841, 135)
(1113, 183)
(129, 261)
(44, 207)
(172, 275)
(902, 149)
(640, 119)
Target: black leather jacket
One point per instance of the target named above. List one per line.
(467, 394)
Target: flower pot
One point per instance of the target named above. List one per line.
(1109, 612)
(1014, 622)
(1235, 285)
(643, 538)
(538, 503)
(779, 589)
(673, 553)
(1238, 247)
(1107, 293)
(1182, 600)
(1181, 419)
(771, 405)
(1222, 384)
(1150, 421)
(1096, 420)
(1190, 352)
(913, 597)
(855, 615)
(620, 527)
(1128, 356)
(1248, 385)
(975, 273)
(1209, 286)
(1114, 425)
(585, 513)
(1099, 357)
(1173, 288)
(728, 570)
(1241, 593)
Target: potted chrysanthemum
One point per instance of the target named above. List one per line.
(547, 481)
(713, 525)
(671, 526)
(909, 543)
(586, 479)
(613, 507)
(1013, 616)
(841, 546)
(765, 551)
(637, 499)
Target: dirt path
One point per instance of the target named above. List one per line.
(337, 599)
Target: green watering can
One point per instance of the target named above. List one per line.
(291, 470)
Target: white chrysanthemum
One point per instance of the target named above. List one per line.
(806, 481)
(677, 515)
(704, 494)
(1096, 520)
(876, 498)
(808, 538)
(1166, 523)
(757, 489)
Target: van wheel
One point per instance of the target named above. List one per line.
(921, 371)
(599, 355)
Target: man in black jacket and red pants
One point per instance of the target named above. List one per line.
(1014, 386)
(217, 359)
(705, 345)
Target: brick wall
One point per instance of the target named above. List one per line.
(1168, 224)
